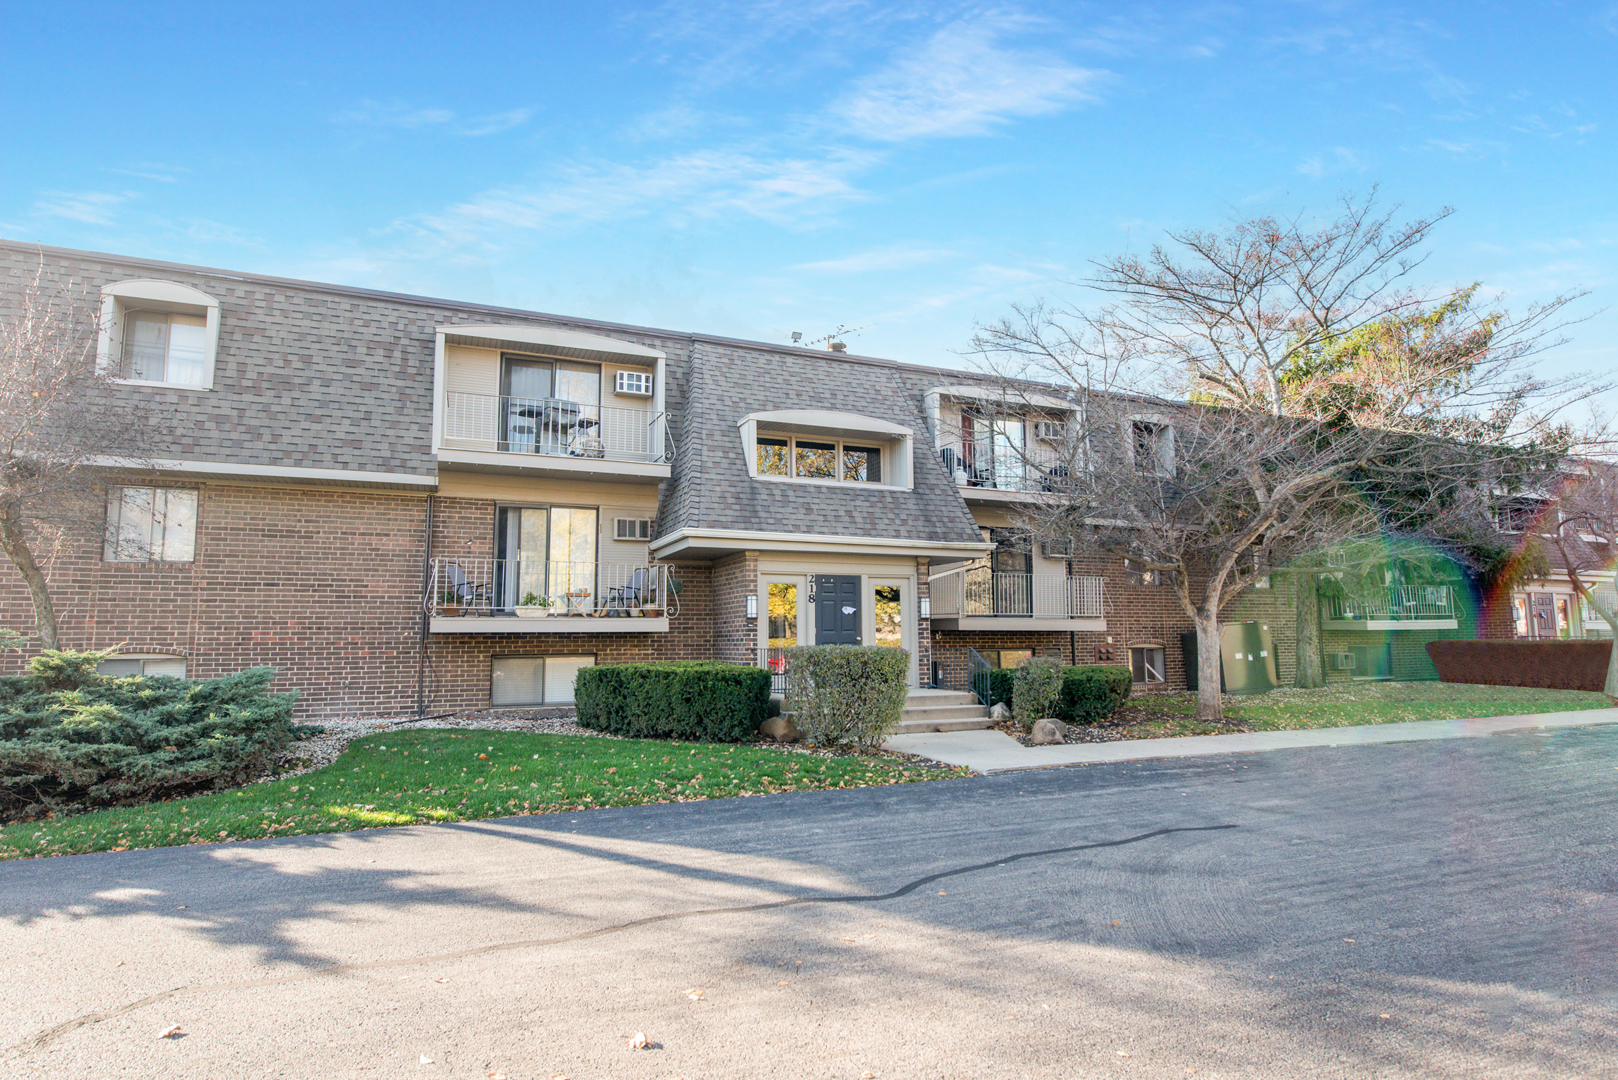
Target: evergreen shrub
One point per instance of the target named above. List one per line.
(846, 694)
(696, 700)
(1035, 688)
(1003, 686)
(1092, 693)
(72, 738)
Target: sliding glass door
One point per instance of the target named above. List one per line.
(549, 406)
(549, 552)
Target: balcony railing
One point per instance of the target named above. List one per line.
(1396, 602)
(555, 427)
(980, 592)
(540, 588)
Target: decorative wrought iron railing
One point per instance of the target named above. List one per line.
(982, 592)
(1395, 602)
(554, 426)
(545, 589)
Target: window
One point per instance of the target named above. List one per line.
(124, 667)
(161, 346)
(1138, 574)
(889, 616)
(151, 525)
(633, 383)
(631, 528)
(1519, 615)
(1146, 663)
(1152, 445)
(783, 615)
(993, 450)
(819, 459)
(535, 680)
(548, 551)
(550, 407)
(158, 332)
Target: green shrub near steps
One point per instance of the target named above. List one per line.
(696, 700)
(846, 694)
(70, 737)
(1002, 686)
(1092, 693)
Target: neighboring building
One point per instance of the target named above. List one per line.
(408, 503)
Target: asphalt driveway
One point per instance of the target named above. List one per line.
(1424, 909)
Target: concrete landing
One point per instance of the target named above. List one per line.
(994, 751)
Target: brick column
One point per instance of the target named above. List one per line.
(924, 628)
(734, 577)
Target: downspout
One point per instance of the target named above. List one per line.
(426, 607)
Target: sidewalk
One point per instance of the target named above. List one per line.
(994, 751)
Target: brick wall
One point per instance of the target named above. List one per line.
(734, 577)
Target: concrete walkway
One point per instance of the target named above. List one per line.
(994, 751)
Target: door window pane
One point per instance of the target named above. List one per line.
(817, 461)
(573, 557)
(889, 615)
(783, 616)
(1564, 617)
(772, 457)
(1008, 454)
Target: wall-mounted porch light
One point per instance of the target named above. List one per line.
(926, 607)
(752, 606)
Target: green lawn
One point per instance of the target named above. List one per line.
(1345, 704)
(411, 777)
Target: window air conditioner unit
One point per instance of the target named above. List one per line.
(1050, 430)
(633, 383)
(631, 528)
(1056, 549)
(1337, 558)
(1342, 661)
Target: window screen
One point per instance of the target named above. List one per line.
(535, 680)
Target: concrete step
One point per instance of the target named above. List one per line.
(930, 696)
(973, 711)
(922, 727)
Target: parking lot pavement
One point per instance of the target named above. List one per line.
(1438, 908)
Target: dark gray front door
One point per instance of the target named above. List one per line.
(837, 609)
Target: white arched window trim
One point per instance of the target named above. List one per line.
(121, 298)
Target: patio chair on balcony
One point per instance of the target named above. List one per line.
(467, 593)
(631, 594)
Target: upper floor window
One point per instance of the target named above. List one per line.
(1140, 574)
(1152, 445)
(819, 459)
(151, 524)
(159, 332)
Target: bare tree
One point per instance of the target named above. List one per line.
(1585, 534)
(1314, 399)
(61, 426)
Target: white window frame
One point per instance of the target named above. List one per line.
(1164, 433)
(544, 674)
(642, 528)
(110, 545)
(154, 659)
(893, 441)
(120, 299)
(838, 445)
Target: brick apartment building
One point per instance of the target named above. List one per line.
(407, 503)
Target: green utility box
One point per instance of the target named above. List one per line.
(1246, 655)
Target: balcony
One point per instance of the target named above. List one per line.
(1397, 607)
(981, 599)
(1007, 478)
(554, 436)
(529, 596)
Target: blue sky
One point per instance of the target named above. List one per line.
(754, 169)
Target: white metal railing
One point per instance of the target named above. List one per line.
(554, 426)
(1395, 602)
(982, 592)
(1594, 625)
(542, 588)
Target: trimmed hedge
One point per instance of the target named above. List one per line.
(1553, 665)
(1092, 693)
(72, 738)
(1002, 685)
(841, 694)
(695, 700)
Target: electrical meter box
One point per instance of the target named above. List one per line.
(1246, 659)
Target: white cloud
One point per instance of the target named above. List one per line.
(868, 261)
(399, 115)
(782, 189)
(393, 114)
(960, 82)
(90, 207)
(151, 170)
(1340, 159)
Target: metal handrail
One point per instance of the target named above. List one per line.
(980, 592)
(1394, 602)
(556, 427)
(477, 586)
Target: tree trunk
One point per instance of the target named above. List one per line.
(15, 542)
(1310, 672)
(1611, 689)
(1210, 705)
